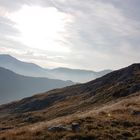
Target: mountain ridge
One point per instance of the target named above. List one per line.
(123, 82)
(14, 86)
(31, 69)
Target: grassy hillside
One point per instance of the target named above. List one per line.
(105, 108)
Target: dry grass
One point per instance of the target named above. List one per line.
(107, 108)
(112, 121)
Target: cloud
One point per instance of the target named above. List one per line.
(22, 52)
(99, 31)
(103, 34)
(6, 27)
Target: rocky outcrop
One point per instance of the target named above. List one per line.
(75, 127)
(59, 128)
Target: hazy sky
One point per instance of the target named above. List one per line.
(85, 34)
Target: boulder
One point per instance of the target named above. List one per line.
(75, 127)
(58, 128)
(5, 128)
(136, 113)
(30, 119)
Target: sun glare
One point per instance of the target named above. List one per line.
(42, 28)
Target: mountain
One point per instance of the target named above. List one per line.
(114, 85)
(77, 75)
(14, 86)
(23, 68)
(105, 108)
(30, 69)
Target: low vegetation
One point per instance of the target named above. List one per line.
(120, 120)
(107, 108)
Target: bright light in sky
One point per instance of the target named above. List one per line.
(41, 28)
(71, 33)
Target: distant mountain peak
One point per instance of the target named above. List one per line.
(7, 56)
(30, 69)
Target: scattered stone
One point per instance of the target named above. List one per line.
(127, 134)
(5, 128)
(31, 119)
(135, 113)
(75, 127)
(59, 128)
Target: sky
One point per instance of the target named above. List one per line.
(82, 34)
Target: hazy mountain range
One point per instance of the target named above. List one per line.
(17, 78)
(110, 87)
(105, 108)
(14, 86)
(30, 69)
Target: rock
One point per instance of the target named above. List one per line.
(127, 134)
(75, 127)
(136, 113)
(31, 119)
(58, 128)
(5, 128)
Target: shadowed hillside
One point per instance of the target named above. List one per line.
(14, 86)
(114, 85)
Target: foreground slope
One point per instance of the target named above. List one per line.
(14, 86)
(105, 108)
(114, 121)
